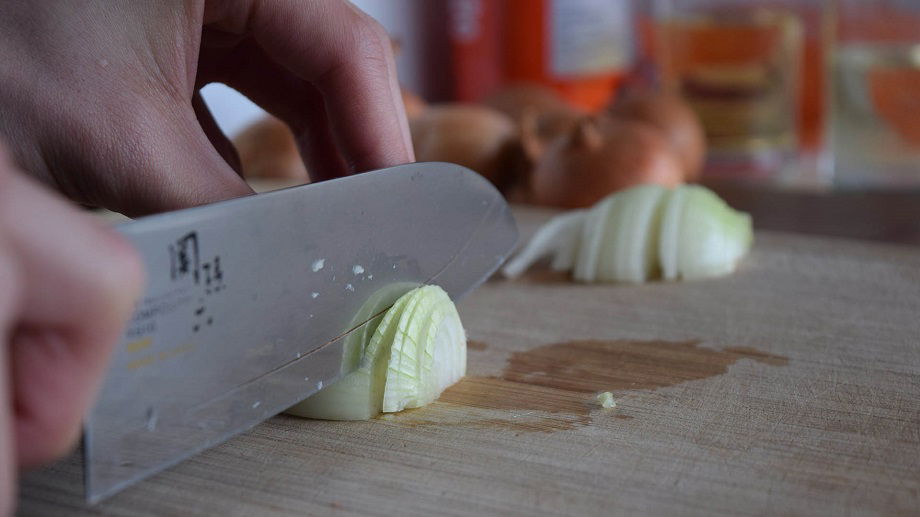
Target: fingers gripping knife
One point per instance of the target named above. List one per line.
(248, 302)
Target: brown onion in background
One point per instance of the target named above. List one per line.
(268, 151)
(514, 99)
(674, 118)
(599, 156)
(539, 111)
(470, 135)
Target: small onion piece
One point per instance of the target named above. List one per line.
(686, 232)
(416, 351)
(606, 400)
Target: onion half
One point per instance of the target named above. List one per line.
(416, 352)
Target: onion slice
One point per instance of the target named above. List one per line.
(712, 236)
(686, 232)
(592, 236)
(631, 240)
(670, 233)
(416, 351)
(560, 238)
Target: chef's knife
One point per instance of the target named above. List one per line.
(248, 302)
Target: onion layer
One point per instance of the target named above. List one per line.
(686, 232)
(416, 351)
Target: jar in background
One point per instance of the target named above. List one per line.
(580, 48)
(738, 64)
(876, 82)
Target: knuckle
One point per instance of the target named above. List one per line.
(375, 32)
(370, 36)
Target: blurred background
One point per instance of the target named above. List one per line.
(804, 112)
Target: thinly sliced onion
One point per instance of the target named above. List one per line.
(372, 313)
(428, 353)
(670, 233)
(416, 351)
(358, 395)
(606, 259)
(592, 236)
(713, 236)
(631, 242)
(569, 240)
(560, 237)
(686, 232)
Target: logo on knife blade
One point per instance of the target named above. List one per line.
(185, 261)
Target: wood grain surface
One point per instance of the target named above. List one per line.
(790, 388)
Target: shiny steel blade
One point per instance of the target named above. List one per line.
(248, 300)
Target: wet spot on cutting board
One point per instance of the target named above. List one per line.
(473, 402)
(476, 345)
(553, 387)
(590, 366)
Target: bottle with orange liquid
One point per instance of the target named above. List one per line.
(580, 48)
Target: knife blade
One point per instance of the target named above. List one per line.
(248, 302)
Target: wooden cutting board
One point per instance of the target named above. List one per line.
(791, 387)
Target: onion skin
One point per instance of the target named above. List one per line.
(675, 119)
(600, 156)
(514, 99)
(267, 150)
(539, 111)
(537, 130)
(475, 137)
(541, 115)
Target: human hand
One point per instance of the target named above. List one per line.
(101, 99)
(68, 285)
